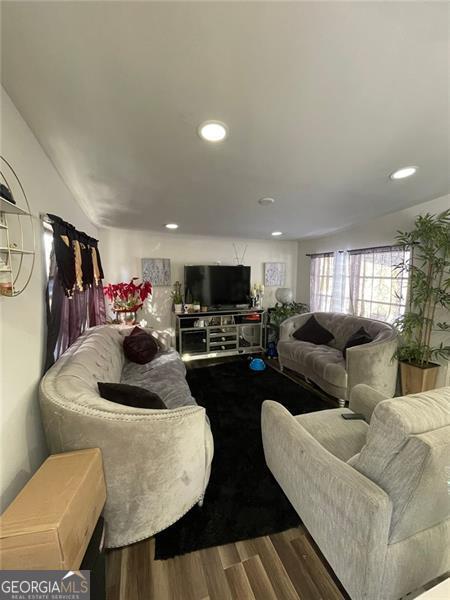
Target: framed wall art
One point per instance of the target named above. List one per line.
(274, 274)
(156, 270)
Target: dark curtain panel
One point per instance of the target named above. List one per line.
(64, 255)
(75, 299)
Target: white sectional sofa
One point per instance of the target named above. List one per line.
(157, 462)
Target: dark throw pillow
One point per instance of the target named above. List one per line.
(357, 339)
(140, 347)
(312, 331)
(130, 395)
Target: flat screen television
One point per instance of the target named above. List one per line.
(217, 285)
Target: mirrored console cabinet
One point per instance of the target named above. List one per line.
(220, 333)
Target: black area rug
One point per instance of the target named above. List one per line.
(243, 500)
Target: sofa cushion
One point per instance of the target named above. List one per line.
(323, 361)
(165, 375)
(358, 338)
(342, 438)
(312, 331)
(408, 441)
(140, 347)
(295, 350)
(328, 363)
(130, 395)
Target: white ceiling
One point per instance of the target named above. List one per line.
(323, 101)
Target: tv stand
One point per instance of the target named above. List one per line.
(224, 332)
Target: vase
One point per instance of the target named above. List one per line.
(178, 308)
(284, 295)
(126, 317)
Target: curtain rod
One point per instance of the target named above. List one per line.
(48, 219)
(357, 250)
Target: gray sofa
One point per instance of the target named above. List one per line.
(372, 363)
(157, 462)
(374, 497)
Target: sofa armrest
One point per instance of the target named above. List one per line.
(363, 399)
(346, 513)
(373, 364)
(156, 462)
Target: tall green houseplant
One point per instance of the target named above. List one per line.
(428, 270)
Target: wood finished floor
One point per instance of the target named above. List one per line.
(283, 566)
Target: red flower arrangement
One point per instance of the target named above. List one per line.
(128, 296)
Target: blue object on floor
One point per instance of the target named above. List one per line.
(272, 350)
(257, 364)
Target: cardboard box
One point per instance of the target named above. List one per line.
(50, 522)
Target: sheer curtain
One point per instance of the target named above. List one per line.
(340, 300)
(321, 281)
(329, 282)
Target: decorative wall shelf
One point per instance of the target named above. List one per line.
(9, 208)
(16, 235)
(16, 251)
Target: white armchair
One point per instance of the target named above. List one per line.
(374, 497)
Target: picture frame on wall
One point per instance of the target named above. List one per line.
(157, 271)
(274, 274)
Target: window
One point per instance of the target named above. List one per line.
(365, 283)
(377, 289)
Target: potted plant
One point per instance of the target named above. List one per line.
(177, 298)
(428, 269)
(281, 312)
(127, 298)
(196, 305)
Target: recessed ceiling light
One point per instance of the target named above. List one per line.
(213, 131)
(266, 201)
(277, 233)
(172, 226)
(403, 173)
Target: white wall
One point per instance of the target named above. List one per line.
(22, 319)
(376, 232)
(122, 251)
